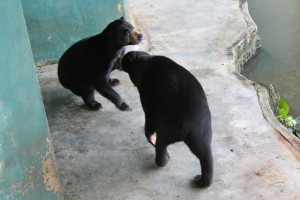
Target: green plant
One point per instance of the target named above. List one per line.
(287, 120)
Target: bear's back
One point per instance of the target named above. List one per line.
(83, 51)
(177, 94)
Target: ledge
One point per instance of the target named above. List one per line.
(242, 51)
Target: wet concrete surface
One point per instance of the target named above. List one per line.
(105, 155)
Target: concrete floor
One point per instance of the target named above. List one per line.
(104, 155)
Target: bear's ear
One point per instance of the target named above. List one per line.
(122, 18)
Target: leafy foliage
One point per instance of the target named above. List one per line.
(282, 104)
(282, 113)
(287, 120)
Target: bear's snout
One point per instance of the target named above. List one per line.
(135, 37)
(140, 36)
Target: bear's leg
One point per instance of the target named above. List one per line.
(162, 156)
(113, 82)
(105, 90)
(88, 97)
(149, 130)
(201, 147)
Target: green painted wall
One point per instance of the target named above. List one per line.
(26, 159)
(53, 25)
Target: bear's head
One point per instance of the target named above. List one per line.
(135, 64)
(130, 59)
(123, 33)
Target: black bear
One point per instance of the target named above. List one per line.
(87, 64)
(175, 108)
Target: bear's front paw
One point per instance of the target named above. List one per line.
(94, 105)
(124, 107)
(113, 82)
(200, 182)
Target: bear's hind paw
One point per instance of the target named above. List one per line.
(200, 182)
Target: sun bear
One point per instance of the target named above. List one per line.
(175, 109)
(87, 64)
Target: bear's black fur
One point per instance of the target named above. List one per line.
(175, 108)
(87, 64)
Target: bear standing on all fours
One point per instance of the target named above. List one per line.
(175, 108)
(87, 64)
